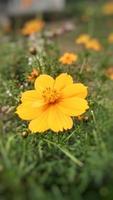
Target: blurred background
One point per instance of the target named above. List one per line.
(36, 33)
(9, 9)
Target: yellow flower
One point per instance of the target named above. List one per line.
(52, 103)
(107, 9)
(93, 44)
(68, 58)
(34, 74)
(88, 42)
(32, 26)
(82, 39)
(110, 38)
(109, 73)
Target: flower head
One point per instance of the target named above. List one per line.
(82, 39)
(109, 73)
(89, 42)
(107, 8)
(52, 103)
(93, 44)
(34, 74)
(32, 26)
(68, 58)
(110, 38)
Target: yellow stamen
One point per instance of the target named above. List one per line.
(50, 95)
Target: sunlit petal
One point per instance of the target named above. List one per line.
(57, 120)
(75, 90)
(74, 106)
(44, 81)
(62, 81)
(40, 124)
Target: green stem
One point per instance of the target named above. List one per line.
(4, 156)
(67, 153)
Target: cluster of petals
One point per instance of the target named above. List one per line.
(89, 42)
(94, 44)
(68, 58)
(32, 27)
(82, 39)
(33, 75)
(53, 103)
(107, 8)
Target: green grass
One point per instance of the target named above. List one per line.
(75, 164)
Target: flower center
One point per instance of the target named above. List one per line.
(50, 95)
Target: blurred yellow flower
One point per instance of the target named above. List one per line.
(34, 74)
(89, 42)
(82, 39)
(32, 26)
(109, 73)
(110, 38)
(107, 8)
(52, 103)
(68, 58)
(93, 44)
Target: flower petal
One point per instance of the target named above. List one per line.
(30, 95)
(75, 90)
(74, 106)
(57, 120)
(32, 98)
(40, 124)
(62, 81)
(44, 81)
(27, 112)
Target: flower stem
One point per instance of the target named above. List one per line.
(67, 153)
